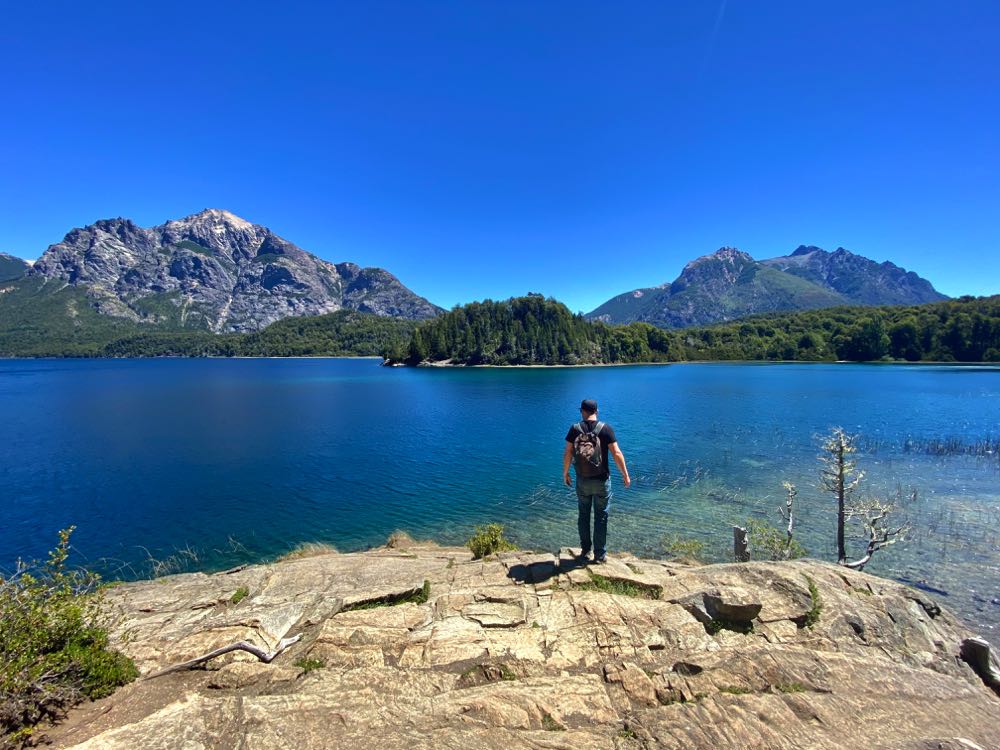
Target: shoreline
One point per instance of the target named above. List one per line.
(450, 365)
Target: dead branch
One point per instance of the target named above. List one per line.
(265, 656)
(874, 514)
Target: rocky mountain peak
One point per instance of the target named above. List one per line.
(214, 217)
(217, 271)
(729, 284)
(806, 250)
(726, 255)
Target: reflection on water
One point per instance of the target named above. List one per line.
(209, 463)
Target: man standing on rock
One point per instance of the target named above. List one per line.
(588, 444)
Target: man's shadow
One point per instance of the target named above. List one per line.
(542, 571)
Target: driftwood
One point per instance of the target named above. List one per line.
(976, 653)
(265, 656)
(741, 544)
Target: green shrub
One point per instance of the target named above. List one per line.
(239, 595)
(769, 543)
(488, 540)
(54, 649)
(678, 547)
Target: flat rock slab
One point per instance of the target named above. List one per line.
(496, 614)
(516, 651)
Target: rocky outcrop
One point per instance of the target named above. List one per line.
(218, 272)
(861, 280)
(728, 284)
(533, 651)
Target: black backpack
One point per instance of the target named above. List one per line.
(587, 451)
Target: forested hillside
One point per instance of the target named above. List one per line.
(530, 330)
(339, 334)
(534, 330)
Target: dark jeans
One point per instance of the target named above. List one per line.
(594, 493)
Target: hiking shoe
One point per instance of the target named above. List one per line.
(583, 557)
(600, 560)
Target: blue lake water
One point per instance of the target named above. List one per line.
(211, 463)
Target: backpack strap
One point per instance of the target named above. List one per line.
(582, 427)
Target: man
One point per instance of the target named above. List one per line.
(593, 477)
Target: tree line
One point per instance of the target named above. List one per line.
(535, 330)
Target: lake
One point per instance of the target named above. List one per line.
(205, 464)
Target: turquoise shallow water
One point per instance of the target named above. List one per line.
(232, 461)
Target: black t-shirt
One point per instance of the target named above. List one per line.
(606, 436)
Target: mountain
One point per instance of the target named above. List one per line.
(213, 271)
(729, 284)
(12, 268)
(859, 279)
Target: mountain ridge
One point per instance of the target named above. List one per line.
(215, 271)
(729, 284)
(12, 267)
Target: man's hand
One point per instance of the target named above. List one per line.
(567, 479)
(619, 457)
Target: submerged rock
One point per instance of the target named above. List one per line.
(529, 651)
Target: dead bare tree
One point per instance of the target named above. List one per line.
(788, 515)
(874, 513)
(840, 477)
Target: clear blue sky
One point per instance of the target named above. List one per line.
(486, 149)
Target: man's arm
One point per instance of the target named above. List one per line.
(616, 454)
(567, 460)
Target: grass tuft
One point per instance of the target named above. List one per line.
(790, 687)
(239, 595)
(399, 540)
(551, 724)
(416, 597)
(308, 549)
(621, 588)
(812, 616)
(308, 664)
(735, 690)
(715, 626)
